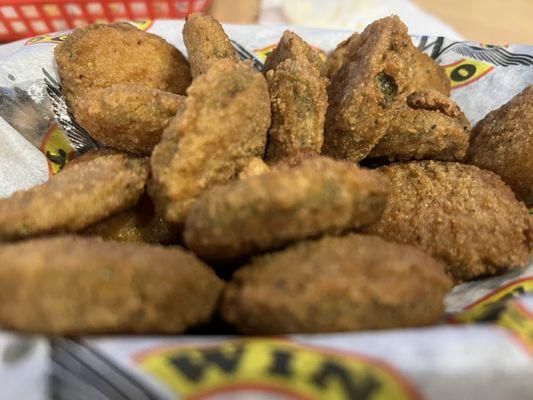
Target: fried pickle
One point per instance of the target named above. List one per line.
(293, 47)
(336, 58)
(502, 142)
(429, 75)
(264, 212)
(77, 197)
(458, 213)
(127, 117)
(430, 125)
(377, 70)
(355, 282)
(298, 98)
(101, 55)
(222, 127)
(206, 43)
(70, 285)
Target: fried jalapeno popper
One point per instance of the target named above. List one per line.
(77, 197)
(128, 117)
(206, 43)
(458, 213)
(278, 207)
(502, 142)
(356, 282)
(70, 285)
(222, 127)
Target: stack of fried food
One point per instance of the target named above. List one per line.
(226, 192)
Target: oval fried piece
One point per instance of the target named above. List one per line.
(86, 286)
(355, 282)
(127, 117)
(293, 47)
(458, 213)
(77, 197)
(377, 71)
(429, 126)
(206, 43)
(222, 127)
(298, 97)
(102, 55)
(275, 208)
(502, 142)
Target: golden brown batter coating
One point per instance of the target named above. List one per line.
(99, 56)
(293, 47)
(502, 142)
(429, 74)
(377, 72)
(298, 97)
(222, 127)
(458, 213)
(356, 282)
(79, 196)
(140, 223)
(127, 117)
(256, 166)
(336, 58)
(430, 125)
(273, 209)
(70, 285)
(206, 43)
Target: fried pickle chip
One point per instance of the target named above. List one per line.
(140, 223)
(69, 285)
(101, 55)
(127, 117)
(502, 142)
(429, 75)
(222, 127)
(355, 282)
(430, 125)
(298, 97)
(77, 197)
(458, 213)
(206, 43)
(376, 73)
(270, 210)
(293, 47)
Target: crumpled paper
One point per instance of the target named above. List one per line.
(482, 349)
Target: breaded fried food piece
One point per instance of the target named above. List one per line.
(222, 127)
(127, 117)
(70, 285)
(101, 55)
(140, 223)
(502, 142)
(430, 125)
(377, 71)
(293, 47)
(355, 282)
(429, 75)
(206, 43)
(458, 213)
(298, 98)
(88, 156)
(256, 166)
(77, 197)
(336, 58)
(273, 209)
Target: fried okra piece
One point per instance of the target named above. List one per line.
(355, 282)
(465, 216)
(102, 55)
(127, 117)
(298, 97)
(502, 142)
(275, 208)
(429, 126)
(70, 285)
(293, 47)
(222, 127)
(206, 43)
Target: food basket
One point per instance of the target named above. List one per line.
(23, 18)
